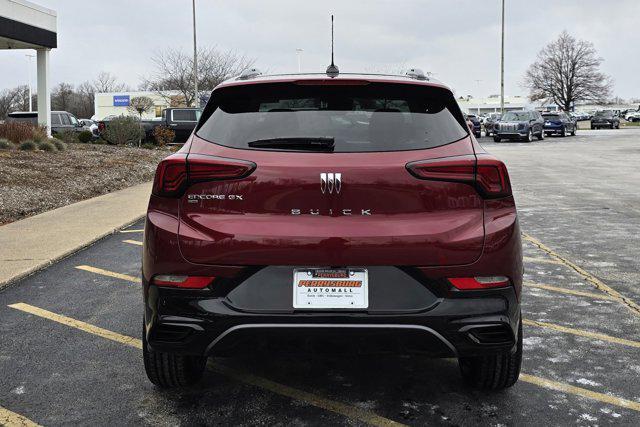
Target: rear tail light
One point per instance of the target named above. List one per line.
(185, 282)
(487, 173)
(477, 283)
(177, 172)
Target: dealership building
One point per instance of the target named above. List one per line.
(117, 103)
(25, 25)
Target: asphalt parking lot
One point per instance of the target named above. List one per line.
(70, 350)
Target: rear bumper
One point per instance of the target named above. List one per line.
(189, 322)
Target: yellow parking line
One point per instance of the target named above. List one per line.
(582, 333)
(348, 411)
(86, 327)
(331, 405)
(133, 242)
(541, 260)
(11, 419)
(631, 305)
(579, 391)
(132, 231)
(299, 394)
(569, 291)
(97, 270)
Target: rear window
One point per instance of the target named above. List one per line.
(368, 117)
(184, 116)
(551, 116)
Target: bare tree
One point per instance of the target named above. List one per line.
(174, 71)
(8, 98)
(566, 71)
(140, 105)
(107, 82)
(62, 97)
(85, 95)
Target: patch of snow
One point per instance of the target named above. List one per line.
(585, 381)
(18, 390)
(588, 417)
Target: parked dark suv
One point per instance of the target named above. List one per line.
(322, 214)
(61, 121)
(559, 123)
(476, 124)
(605, 119)
(519, 125)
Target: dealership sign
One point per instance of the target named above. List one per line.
(121, 100)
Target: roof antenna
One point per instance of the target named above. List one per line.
(332, 70)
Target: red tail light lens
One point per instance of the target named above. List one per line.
(492, 177)
(477, 283)
(487, 173)
(177, 172)
(458, 168)
(185, 282)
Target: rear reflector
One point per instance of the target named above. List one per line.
(186, 282)
(474, 283)
(175, 173)
(488, 174)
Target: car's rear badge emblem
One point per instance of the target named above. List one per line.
(330, 182)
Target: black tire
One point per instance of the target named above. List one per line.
(529, 137)
(563, 132)
(496, 138)
(494, 372)
(168, 370)
(541, 136)
(593, 127)
(575, 129)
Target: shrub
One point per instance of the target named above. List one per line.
(28, 145)
(16, 132)
(39, 134)
(123, 130)
(47, 146)
(5, 144)
(60, 146)
(68, 136)
(85, 136)
(148, 146)
(163, 135)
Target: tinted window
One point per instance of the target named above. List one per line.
(370, 117)
(183, 115)
(516, 116)
(55, 119)
(551, 116)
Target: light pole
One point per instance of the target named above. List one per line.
(502, 64)
(299, 55)
(195, 59)
(29, 77)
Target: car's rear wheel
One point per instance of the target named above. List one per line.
(494, 372)
(496, 138)
(168, 370)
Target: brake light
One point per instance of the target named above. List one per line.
(492, 177)
(175, 173)
(478, 283)
(488, 174)
(185, 282)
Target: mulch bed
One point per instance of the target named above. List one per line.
(32, 182)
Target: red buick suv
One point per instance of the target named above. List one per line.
(313, 212)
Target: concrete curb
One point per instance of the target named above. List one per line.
(34, 243)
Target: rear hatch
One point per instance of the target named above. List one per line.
(322, 178)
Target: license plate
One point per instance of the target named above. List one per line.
(327, 288)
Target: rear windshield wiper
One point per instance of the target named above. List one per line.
(298, 143)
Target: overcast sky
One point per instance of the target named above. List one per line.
(459, 40)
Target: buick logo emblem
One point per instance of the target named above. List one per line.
(330, 182)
